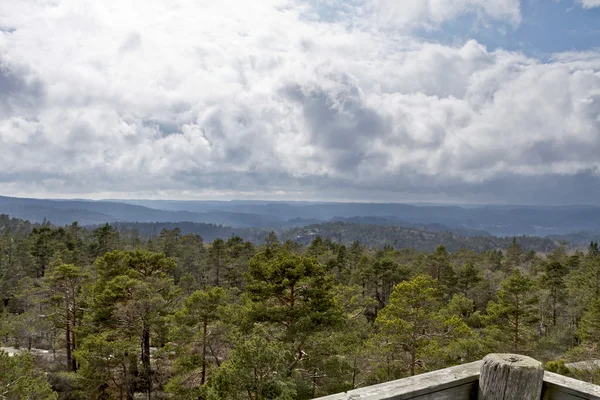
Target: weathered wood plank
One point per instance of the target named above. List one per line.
(463, 392)
(461, 383)
(510, 377)
(584, 365)
(559, 387)
(551, 394)
(462, 377)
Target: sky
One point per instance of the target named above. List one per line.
(461, 101)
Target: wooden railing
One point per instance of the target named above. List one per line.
(463, 382)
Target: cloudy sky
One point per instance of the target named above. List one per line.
(380, 100)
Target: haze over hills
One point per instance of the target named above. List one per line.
(465, 221)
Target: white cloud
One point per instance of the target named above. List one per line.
(432, 13)
(590, 3)
(192, 96)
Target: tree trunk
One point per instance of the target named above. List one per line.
(70, 338)
(146, 360)
(554, 310)
(597, 292)
(413, 359)
(516, 338)
(73, 359)
(68, 344)
(130, 380)
(218, 269)
(73, 342)
(203, 378)
(517, 332)
(354, 373)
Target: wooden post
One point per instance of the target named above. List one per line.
(510, 377)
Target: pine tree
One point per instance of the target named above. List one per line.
(410, 321)
(439, 267)
(292, 294)
(131, 297)
(63, 284)
(193, 333)
(514, 255)
(217, 258)
(467, 277)
(553, 281)
(19, 378)
(515, 310)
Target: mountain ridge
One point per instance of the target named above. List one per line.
(494, 220)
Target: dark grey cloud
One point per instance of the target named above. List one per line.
(20, 91)
(340, 122)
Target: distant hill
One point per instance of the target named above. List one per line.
(238, 219)
(209, 232)
(64, 212)
(346, 233)
(580, 239)
(341, 232)
(401, 237)
(498, 220)
(393, 221)
(464, 221)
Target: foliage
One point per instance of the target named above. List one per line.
(128, 310)
(19, 379)
(512, 316)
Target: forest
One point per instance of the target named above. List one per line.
(418, 238)
(107, 313)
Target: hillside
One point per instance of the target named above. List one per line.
(346, 233)
(419, 239)
(505, 220)
(460, 220)
(63, 212)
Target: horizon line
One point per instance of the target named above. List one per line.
(205, 200)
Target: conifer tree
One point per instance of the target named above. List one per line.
(514, 312)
